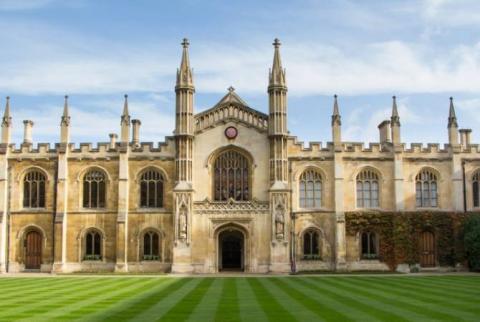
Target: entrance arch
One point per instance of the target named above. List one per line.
(231, 249)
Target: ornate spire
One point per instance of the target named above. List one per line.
(395, 119)
(66, 115)
(7, 118)
(184, 73)
(277, 73)
(336, 118)
(125, 116)
(452, 118)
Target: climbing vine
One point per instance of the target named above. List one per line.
(399, 234)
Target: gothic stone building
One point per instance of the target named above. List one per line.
(230, 190)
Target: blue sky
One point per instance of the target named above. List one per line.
(364, 51)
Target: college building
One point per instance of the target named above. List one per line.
(232, 189)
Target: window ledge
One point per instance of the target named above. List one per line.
(428, 208)
(30, 210)
(369, 209)
(140, 209)
(370, 260)
(311, 210)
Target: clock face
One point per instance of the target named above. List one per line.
(231, 132)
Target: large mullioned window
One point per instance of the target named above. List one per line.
(34, 190)
(231, 177)
(426, 189)
(367, 189)
(94, 189)
(310, 189)
(151, 189)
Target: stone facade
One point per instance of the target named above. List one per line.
(266, 232)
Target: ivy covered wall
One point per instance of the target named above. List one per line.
(399, 234)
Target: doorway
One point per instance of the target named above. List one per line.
(427, 249)
(33, 250)
(231, 250)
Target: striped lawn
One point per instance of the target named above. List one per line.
(252, 299)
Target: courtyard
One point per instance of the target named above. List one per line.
(241, 298)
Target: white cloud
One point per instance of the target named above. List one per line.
(453, 13)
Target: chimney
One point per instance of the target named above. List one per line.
(27, 133)
(136, 132)
(465, 137)
(113, 140)
(384, 129)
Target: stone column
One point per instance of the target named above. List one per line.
(61, 216)
(4, 176)
(340, 232)
(122, 216)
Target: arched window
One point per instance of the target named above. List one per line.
(151, 246)
(369, 245)
(231, 177)
(34, 190)
(367, 189)
(94, 189)
(310, 189)
(311, 245)
(475, 189)
(426, 189)
(151, 189)
(93, 245)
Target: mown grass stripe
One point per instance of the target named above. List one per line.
(19, 284)
(130, 307)
(295, 307)
(437, 293)
(31, 288)
(103, 302)
(249, 308)
(388, 302)
(448, 306)
(42, 298)
(184, 308)
(369, 306)
(323, 306)
(268, 303)
(473, 288)
(73, 300)
(206, 309)
(160, 306)
(407, 301)
(227, 310)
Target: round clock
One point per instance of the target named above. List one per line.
(231, 132)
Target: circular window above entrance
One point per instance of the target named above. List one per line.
(231, 132)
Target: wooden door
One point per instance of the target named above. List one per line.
(33, 250)
(427, 249)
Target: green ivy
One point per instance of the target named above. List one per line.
(399, 234)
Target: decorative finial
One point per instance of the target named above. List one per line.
(126, 96)
(185, 43)
(231, 89)
(335, 96)
(276, 43)
(8, 98)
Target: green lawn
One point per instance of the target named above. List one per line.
(252, 299)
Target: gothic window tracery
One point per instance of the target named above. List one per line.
(151, 189)
(367, 189)
(476, 189)
(94, 189)
(311, 245)
(34, 190)
(93, 245)
(426, 189)
(231, 177)
(310, 189)
(369, 245)
(151, 246)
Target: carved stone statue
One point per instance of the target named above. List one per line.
(182, 223)
(279, 222)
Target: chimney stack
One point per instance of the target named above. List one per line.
(27, 133)
(385, 131)
(136, 132)
(465, 137)
(113, 140)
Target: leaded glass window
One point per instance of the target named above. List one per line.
(369, 245)
(311, 245)
(151, 189)
(151, 246)
(367, 189)
(231, 177)
(94, 189)
(475, 189)
(426, 189)
(310, 189)
(34, 190)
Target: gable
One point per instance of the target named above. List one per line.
(231, 108)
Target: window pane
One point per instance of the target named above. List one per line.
(86, 194)
(315, 250)
(433, 194)
(359, 194)
(419, 193)
(155, 245)
(146, 244)
(41, 194)
(307, 244)
(159, 194)
(26, 194)
(364, 244)
(475, 194)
